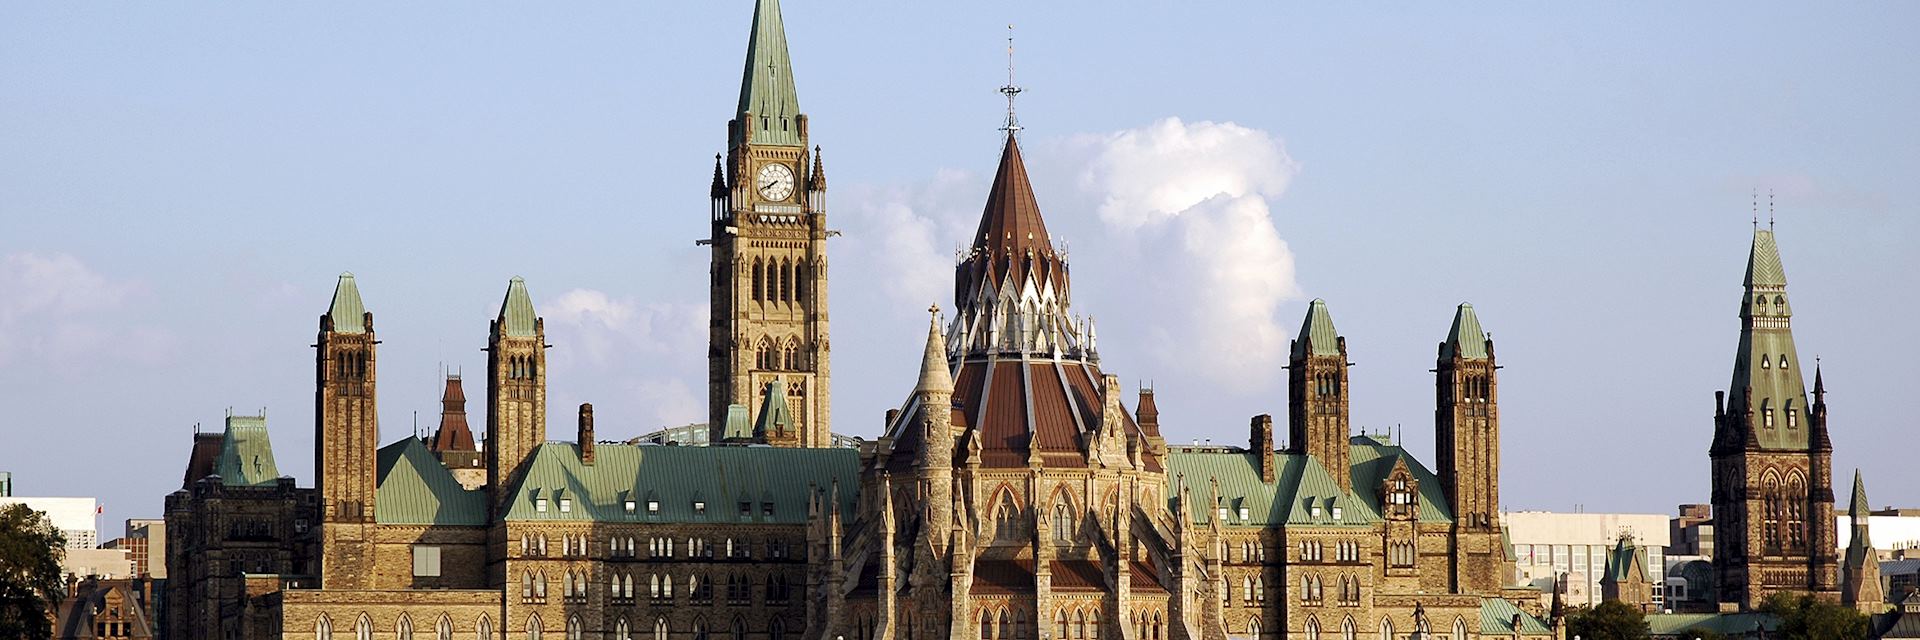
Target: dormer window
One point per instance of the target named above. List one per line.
(1783, 362)
(653, 507)
(630, 505)
(1244, 514)
(1336, 514)
(1793, 416)
(1765, 363)
(566, 505)
(1766, 413)
(699, 507)
(540, 505)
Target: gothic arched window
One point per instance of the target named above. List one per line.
(534, 631)
(759, 275)
(803, 280)
(403, 630)
(323, 629)
(443, 630)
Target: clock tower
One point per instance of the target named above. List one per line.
(768, 323)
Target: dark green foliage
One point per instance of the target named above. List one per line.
(1804, 618)
(30, 581)
(1609, 621)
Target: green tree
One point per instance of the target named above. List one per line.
(1609, 621)
(1802, 617)
(30, 581)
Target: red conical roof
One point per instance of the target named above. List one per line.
(453, 435)
(1012, 238)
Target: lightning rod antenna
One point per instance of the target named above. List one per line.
(1012, 125)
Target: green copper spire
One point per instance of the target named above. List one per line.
(775, 417)
(347, 312)
(1317, 333)
(1766, 362)
(517, 319)
(1859, 508)
(1466, 338)
(769, 103)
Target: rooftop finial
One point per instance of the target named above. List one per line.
(1756, 208)
(1011, 90)
(1769, 209)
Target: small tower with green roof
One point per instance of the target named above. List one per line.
(346, 437)
(516, 389)
(1467, 448)
(1317, 418)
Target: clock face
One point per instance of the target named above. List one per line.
(775, 181)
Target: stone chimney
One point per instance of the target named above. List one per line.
(1261, 444)
(585, 436)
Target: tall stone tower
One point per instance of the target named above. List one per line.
(516, 390)
(1317, 418)
(1772, 476)
(1467, 450)
(768, 322)
(346, 434)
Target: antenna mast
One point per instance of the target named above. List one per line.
(1012, 125)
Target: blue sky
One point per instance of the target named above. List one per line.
(180, 184)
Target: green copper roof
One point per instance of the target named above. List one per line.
(246, 455)
(347, 313)
(1687, 625)
(414, 488)
(1859, 508)
(1317, 332)
(1766, 359)
(766, 86)
(1300, 485)
(775, 416)
(677, 477)
(1622, 561)
(1496, 618)
(1466, 337)
(516, 312)
(739, 426)
(1372, 460)
(1763, 262)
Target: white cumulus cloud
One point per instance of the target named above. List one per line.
(1191, 202)
(57, 310)
(642, 352)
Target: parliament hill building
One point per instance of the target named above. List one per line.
(1017, 492)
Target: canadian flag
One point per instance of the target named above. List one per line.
(99, 509)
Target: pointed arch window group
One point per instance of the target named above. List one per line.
(782, 281)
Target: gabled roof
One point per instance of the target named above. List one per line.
(517, 319)
(678, 476)
(246, 454)
(1317, 333)
(1300, 485)
(414, 488)
(1466, 337)
(347, 312)
(766, 84)
(1373, 460)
